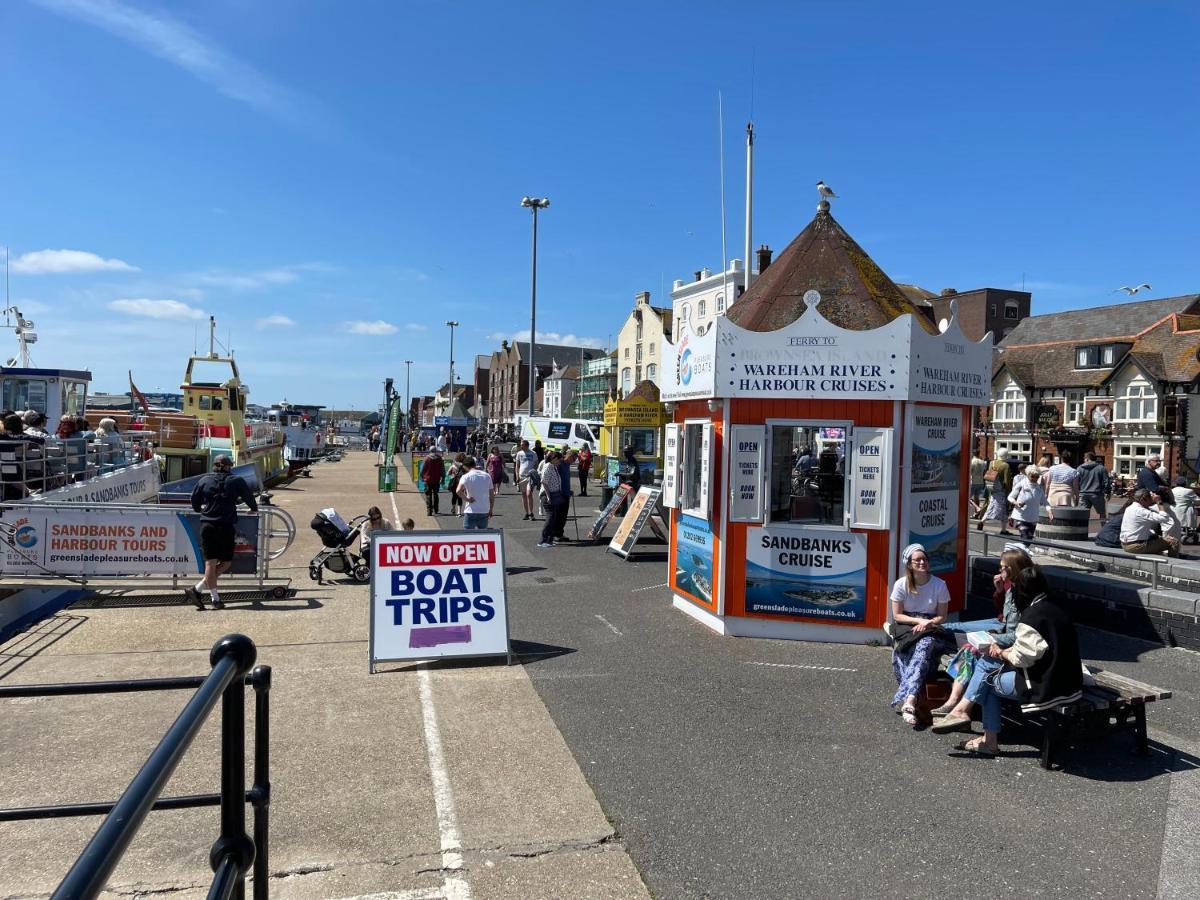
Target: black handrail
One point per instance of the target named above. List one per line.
(234, 852)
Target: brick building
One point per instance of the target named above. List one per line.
(508, 375)
(1116, 380)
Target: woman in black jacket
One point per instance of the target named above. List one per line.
(1043, 666)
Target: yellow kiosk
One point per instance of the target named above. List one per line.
(635, 421)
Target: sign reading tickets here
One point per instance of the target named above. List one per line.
(748, 481)
(871, 478)
(437, 594)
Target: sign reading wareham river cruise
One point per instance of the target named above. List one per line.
(813, 572)
(437, 594)
(935, 503)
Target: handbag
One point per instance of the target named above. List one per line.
(904, 637)
(990, 476)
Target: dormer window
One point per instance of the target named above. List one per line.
(1108, 355)
(1011, 310)
(1087, 357)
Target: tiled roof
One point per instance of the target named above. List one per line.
(855, 292)
(917, 294)
(1102, 322)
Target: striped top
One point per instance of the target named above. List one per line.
(1063, 474)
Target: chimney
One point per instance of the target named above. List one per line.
(504, 345)
(642, 298)
(948, 292)
(698, 274)
(764, 257)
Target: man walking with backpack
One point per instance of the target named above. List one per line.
(216, 497)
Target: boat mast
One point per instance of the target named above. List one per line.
(212, 336)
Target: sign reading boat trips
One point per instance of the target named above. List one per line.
(871, 461)
(934, 498)
(810, 572)
(437, 594)
(93, 540)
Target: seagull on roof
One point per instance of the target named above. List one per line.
(1132, 290)
(825, 190)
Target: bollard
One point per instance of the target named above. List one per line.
(1070, 524)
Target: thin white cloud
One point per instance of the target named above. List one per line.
(549, 337)
(169, 38)
(257, 280)
(416, 326)
(377, 327)
(274, 321)
(57, 262)
(156, 309)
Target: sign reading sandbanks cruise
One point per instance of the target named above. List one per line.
(437, 594)
(811, 572)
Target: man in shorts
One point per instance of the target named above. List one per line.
(216, 497)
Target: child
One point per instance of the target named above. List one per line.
(408, 525)
(456, 473)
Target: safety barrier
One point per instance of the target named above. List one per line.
(234, 853)
(27, 466)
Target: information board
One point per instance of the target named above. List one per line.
(814, 573)
(437, 594)
(936, 504)
(747, 483)
(640, 509)
(605, 515)
(871, 478)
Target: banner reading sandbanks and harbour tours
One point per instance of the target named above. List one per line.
(98, 541)
(810, 572)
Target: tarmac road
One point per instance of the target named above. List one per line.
(751, 768)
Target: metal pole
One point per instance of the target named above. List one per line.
(233, 791)
(749, 203)
(533, 318)
(450, 383)
(262, 779)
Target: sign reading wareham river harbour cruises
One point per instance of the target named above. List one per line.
(813, 572)
(934, 499)
(437, 594)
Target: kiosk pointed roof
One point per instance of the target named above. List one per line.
(855, 293)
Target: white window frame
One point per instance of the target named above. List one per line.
(1076, 403)
(651, 371)
(1018, 447)
(1137, 396)
(1129, 456)
(1011, 407)
(701, 308)
(703, 503)
(771, 425)
(720, 303)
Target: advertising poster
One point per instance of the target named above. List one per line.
(97, 541)
(437, 594)
(694, 558)
(934, 495)
(871, 478)
(605, 515)
(746, 490)
(644, 505)
(811, 572)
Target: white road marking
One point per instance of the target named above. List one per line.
(797, 666)
(652, 587)
(455, 884)
(415, 894)
(395, 510)
(611, 626)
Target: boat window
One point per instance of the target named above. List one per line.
(808, 465)
(24, 393)
(210, 403)
(73, 395)
(234, 399)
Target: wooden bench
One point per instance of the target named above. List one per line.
(1112, 703)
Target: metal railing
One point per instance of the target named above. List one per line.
(28, 467)
(234, 853)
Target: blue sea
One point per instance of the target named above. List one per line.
(767, 591)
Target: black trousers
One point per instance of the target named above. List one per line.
(560, 516)
(431, 499)
(583, 483)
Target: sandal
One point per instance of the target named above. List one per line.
(944, 710)
(975, 748)
(952, 723)
(909, 714)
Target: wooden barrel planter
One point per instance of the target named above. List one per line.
(1070, 524)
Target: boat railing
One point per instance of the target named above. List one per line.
(28, 467)
(234, 852)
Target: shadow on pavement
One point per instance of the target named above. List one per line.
(532, 651)
(21, 648)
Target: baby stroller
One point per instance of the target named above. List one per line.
(341, 540)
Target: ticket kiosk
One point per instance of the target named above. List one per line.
(635, 421)
(815, 430)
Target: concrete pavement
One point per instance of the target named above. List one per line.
(360, 805)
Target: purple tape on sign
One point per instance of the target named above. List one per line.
(443, 634)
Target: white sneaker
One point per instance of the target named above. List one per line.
(544, 545)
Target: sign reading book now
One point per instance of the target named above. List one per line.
(437, 594)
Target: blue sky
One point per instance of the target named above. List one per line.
(333, 181)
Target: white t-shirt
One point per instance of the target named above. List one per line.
(477, 484)
(526, 462)
(926, 600)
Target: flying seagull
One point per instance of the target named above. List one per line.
(825, 190)
(1133, 290)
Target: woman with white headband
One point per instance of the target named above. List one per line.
(920, 602)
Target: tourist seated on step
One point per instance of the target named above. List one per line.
(973, 664)
(1143, 525)
(920, 602)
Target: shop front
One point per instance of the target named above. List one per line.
(637, 422)
(800, 459)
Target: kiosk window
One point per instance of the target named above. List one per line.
(643, 440)
(808, 466)
(695, 470)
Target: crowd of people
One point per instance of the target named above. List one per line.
(1028, 653)
(37, 460)
(1156, 518)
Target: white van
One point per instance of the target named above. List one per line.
(573, 433)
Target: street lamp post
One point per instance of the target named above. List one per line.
(533, 203)
(450, 383)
